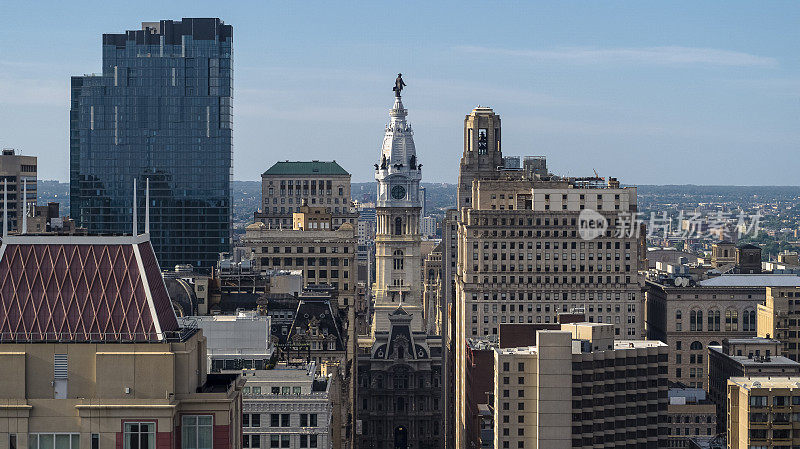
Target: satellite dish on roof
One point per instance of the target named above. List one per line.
(681, 282)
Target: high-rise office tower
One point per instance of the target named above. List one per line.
(160, 110)
(532, 245)
(19, 174)
(579, 388)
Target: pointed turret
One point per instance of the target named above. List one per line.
(398, 164)
(397, 240)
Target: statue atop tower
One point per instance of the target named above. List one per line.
(398, 85)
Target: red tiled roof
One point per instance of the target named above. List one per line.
(57, 288)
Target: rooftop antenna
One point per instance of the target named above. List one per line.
(147, 206)
(5, 209)
(135, 218)
(24, 206)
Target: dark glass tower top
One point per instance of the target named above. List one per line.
(161, 110)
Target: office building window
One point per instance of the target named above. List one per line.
(139, 435)
(197, 432)
(251, 441)
(57, 441)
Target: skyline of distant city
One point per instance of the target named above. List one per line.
(552, 284)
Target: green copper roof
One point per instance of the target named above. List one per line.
(306, 168)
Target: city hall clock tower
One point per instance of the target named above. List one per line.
(397, 241)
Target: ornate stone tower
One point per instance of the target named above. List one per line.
(397, 240)
(482, 155)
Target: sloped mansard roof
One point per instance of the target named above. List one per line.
(306, 168)
(82, 288)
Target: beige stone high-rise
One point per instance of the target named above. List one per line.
(762, 412)
(776, 319)
(19, 172)
(578, 387)
(532, 245)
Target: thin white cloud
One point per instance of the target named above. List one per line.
(668, 55)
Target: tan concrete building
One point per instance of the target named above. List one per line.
(94, 357)
(287, 185)
(776, 319)
(17, 172)
(308, 218)
(578, 387)
(325, 256)
(761, 412)
(531, 244)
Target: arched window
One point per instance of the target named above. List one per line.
(678, 315)
(398, 259)
(699, 320)
(696, 346)
(713, 320)
(713, 343)
(693, 320)
(398, 226)
(731, 320)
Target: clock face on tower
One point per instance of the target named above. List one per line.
(398, 192)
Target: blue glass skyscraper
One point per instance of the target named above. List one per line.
(160, 110)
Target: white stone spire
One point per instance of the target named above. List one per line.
(398, 163)
(397, 240)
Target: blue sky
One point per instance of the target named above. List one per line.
(652, 93)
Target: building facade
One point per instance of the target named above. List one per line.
(324, 256)
(78, 362)
(287, 185)
(429, 226)
(776, 319)
(234, 342)
(512, 248)
(287, 406)
(160, 110)
(743, 357)
(761, 412)
(309, 328)
(528, 249)
(690, 415)
(399, 388)
(690, 319)
(578, 387)
(18, 173)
